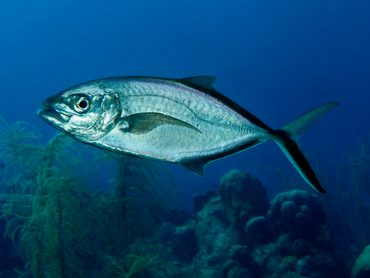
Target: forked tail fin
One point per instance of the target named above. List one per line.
(287, 139)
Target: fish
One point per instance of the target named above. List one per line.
(182, 121)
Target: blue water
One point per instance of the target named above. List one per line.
(278, 59)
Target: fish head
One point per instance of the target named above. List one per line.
(85, 112)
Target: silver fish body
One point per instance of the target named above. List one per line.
(184, 121)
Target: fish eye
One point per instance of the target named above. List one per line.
(82, 104)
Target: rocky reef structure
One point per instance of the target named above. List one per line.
(240, 234)
(242, 197)
(297, 213)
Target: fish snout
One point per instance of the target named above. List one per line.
(50, 113)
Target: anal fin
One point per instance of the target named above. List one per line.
(195, 167)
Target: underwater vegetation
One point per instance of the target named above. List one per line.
(57, 222)
(61, 227)
(353, 204)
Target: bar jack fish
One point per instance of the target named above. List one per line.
(183, 121)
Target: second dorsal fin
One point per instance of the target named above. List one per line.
(202, 81)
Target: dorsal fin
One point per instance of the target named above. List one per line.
(205, 82)
(202, 81)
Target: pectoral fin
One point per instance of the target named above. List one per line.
(144, 122)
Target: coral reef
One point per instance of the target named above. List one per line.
(199, 200)
(259, 231)
(214, 235)
(292, 241)
(243, 197)
(297, 213)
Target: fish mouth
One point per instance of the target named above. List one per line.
(51, 115)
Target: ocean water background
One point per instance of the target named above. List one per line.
(277, 59)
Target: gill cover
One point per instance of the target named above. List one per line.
(85, 114)
(95, 117)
